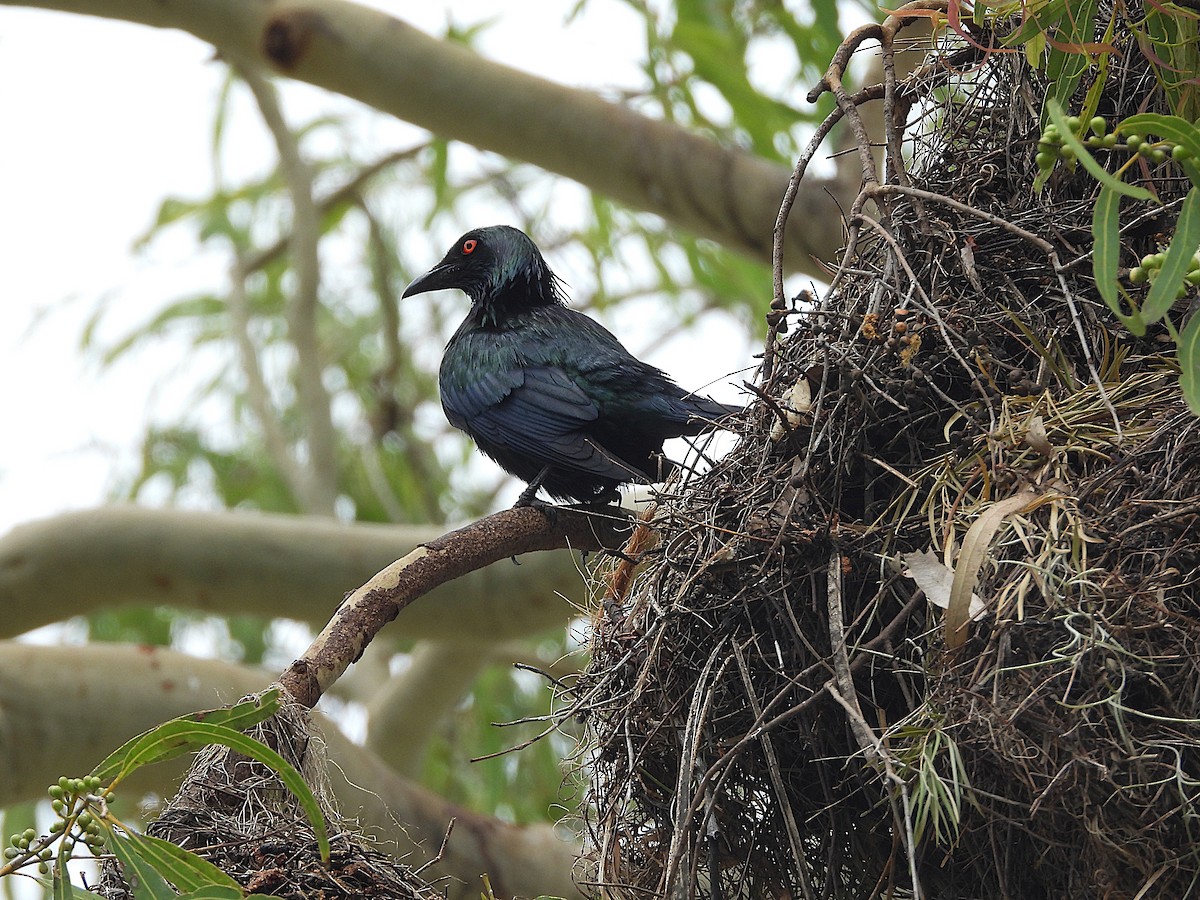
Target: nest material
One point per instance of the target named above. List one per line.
(774, 708)
(237, 814)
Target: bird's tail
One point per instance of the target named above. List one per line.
(704, 414)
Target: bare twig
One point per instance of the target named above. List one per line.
(785, 806)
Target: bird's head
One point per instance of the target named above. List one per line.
(498, 267)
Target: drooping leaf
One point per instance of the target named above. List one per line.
(60, 884)
(184, 869)
(1189, 364)
(180, 735)
(1171, 128)
(1178, 258)
(1106, 236)
(141, 875)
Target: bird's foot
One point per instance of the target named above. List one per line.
(529, 495)
(529, 498)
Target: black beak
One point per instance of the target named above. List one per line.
(443, 275)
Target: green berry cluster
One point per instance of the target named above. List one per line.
(25, 845)
(1152, 264)
(74, 800)
(1052, 148)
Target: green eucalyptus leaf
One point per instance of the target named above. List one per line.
(1189, 364)
(1106, 236)
(180, 735)
(181, 867)
(60, 884)
(145, 880)
(1171, 128)
(1179, 253)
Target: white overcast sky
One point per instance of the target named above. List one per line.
(104, 119)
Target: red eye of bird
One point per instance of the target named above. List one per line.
(468, 247)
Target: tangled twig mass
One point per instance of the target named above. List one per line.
(775, 705)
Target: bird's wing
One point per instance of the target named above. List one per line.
(540, 413)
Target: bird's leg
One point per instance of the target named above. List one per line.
(528, 495)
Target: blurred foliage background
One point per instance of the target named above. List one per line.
(245, 433)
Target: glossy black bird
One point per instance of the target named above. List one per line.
(545, 391)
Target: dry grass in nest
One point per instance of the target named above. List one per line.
(774, 707)
(237, 814)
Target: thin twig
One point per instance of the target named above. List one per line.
(346, 193)
(785, 806)
(1052, 254)
(320, 471)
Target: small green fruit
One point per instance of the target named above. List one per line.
(1138, 275)
(1133, 142)
(1098, 125)
(1110, 140)
(1180, 152)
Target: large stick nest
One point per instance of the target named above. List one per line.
(775, 708)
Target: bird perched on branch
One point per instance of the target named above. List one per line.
(545, 391)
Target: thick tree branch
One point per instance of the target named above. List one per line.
(717, 192)
(286, 566)
(432, 565)
(64, 708)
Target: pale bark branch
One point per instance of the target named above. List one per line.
(319, 471)
(276, 566)
(721, 193)
(64, 708)
(258, 395)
